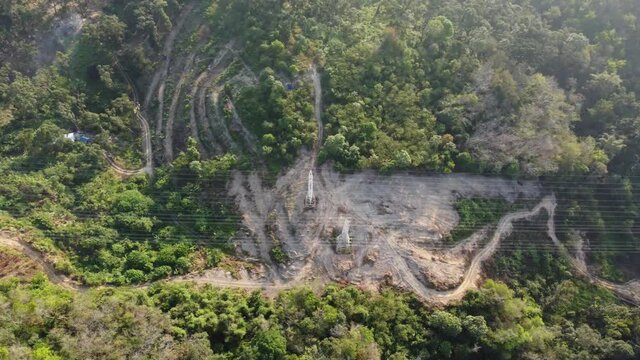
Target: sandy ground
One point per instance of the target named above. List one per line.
(394, 217)
(397, 222)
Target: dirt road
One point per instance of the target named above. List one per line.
(503, 229)
(146, 136)
(629, 291)
(146, 148)
(317, 93)
(120, 170)
(216, 134)
(193, 122)
(14, 241)
(167, 50)
(168, 131)
(197, 114)
(395, 219)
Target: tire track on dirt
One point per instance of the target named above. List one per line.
(198, 118)
(317, 110)
(629, 291)
(146, 136)
(175, 100)
(167, 50)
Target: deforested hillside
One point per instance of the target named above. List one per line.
(372, 179)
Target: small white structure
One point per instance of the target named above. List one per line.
(343, 243)
(78, 136)
(309, 200)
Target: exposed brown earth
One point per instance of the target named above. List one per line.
(14, 264)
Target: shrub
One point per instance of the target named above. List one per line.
(134, 276)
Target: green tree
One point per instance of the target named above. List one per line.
(269, 345)
(445, 323)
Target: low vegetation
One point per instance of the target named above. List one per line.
(116, 231)
(15, 264)
(172, 321)
(602, 214)
(476, 213)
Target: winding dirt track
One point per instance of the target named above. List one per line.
(144, 123)
(218, 123)
(146, 137)
(193, 122)
(14, 241)
(120, 170)
(317, 88)
(167, 49)
(168, 131)
(11, 240)
(199, 121)
(629, 291)
(204, 119)
(158, 82)
(503, 229)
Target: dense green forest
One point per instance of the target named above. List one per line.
(461, 77)
(541, 313)
(528, 89)
(412, 84)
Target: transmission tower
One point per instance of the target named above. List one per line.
(310, 200)
(343, 243)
